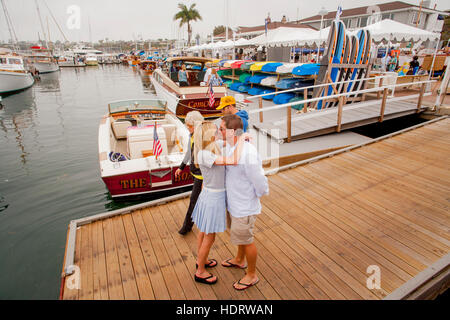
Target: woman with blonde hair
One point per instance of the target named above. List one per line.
(209, 213)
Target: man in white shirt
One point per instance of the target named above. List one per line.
(207, 73)
(245, 183)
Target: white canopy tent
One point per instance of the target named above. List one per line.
(272, 35)
(393, 31)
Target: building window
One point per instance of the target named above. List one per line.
(387, 16)
(363, 22)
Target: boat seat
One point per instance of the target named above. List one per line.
(152, 122)
(171, 134)
(120, 128)
(141, 140)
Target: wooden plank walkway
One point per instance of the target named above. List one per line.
(323, 224)
(320, 122)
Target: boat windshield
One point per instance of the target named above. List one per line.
(137, 105)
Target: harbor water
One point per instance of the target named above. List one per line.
(49, 170)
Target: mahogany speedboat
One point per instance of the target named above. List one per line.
(147, 66)
(181, 100)
(128, 164)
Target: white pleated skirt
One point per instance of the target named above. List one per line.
(209, 214)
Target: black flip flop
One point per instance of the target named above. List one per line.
(247, 285)
(205, 280)
(208, 265)
(232, 265)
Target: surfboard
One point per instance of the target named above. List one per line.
(337, 58)
(363, 72)
(343, 71)
(359, 56)
(326, 59)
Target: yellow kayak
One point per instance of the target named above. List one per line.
(258, 65)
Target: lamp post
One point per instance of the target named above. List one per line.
(323, 12)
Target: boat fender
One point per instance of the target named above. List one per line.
(117, 156)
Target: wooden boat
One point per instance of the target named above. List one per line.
(127, 164)
(181, 100)
(147, 66)
(13, 75)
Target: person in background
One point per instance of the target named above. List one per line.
(245, 184)
(214, 79)
(414, 65)
(207, 73)
(191, 119)
(392, 64)
(228, 106)
(182, 76)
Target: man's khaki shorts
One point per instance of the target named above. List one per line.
(241, 229)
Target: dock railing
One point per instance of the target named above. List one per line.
(341, 98)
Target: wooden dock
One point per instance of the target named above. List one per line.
(384, 204)
(320, 122)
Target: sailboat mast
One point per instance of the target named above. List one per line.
(40, 20)
(12, 33)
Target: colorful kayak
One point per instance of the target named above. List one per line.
(238, 64)
(257, 78)
(247, 65)
(245, 77)
(269, 97)
(271, 67)
(283, 98)
(287, 67)
(244, 88)
(258, 65)
(269, 81)
(255, 91)
(306, 69)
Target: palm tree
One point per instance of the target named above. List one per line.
(186, 16)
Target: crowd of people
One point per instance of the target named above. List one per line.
(228, 182)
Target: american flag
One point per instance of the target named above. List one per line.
(157, 148)
(211, 95)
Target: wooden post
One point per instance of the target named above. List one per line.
(422, 91)
(383, 104)
(305, 97)
(288, 124)
(340, 109)
(260, 107)
(380, 85)
(369, 68)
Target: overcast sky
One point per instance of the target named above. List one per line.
(153, 19)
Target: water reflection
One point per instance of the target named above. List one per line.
(17, 115)
(49, 82)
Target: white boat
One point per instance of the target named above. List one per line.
(127, 163)
(68, 59)
(13, 75)
(91, 60)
